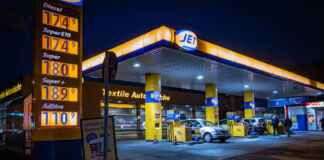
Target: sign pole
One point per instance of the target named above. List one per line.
(106, 136)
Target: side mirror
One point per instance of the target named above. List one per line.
(199, 126)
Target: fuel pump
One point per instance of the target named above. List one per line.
(231, 122)
(173, 121)
(235, 128)
(268, 119)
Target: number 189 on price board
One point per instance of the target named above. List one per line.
(56, 93)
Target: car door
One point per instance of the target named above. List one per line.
(195, 125)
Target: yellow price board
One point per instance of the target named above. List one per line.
(56, 93)
(58, 118)
(54, 68)
(60, 21)
(59, 44)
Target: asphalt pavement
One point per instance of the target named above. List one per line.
(303, 145)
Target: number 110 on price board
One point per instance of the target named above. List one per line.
(56, 118)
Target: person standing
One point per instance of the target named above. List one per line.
(275, 124)
(288, 124)
(322, 123)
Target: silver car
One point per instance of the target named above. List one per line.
(209, 131)
(257, 124)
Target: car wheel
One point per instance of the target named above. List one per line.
(222, 140)
(208, 137)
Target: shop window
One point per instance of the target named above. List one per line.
(183, 109)
(124, 115)
(201, 112)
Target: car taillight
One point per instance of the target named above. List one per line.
(259, 124)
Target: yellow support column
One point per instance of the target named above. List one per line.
(249, 106)
(153, 115)
(211, 102)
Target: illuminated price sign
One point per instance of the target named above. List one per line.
(56, 93)
(54, 68)
(56, 118)
(57, 57)
(60, 21)
(59, 44)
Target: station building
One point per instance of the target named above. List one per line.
(182, 72)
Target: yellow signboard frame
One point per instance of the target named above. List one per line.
(57, 76)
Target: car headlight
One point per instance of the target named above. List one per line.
(221, 131)
(212, 131)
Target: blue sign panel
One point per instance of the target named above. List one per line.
(232, 117)
(176, 116)
(170, 116)
(249, 105)
(153, 97)
(211, 102)
(298, 100)
(277, 102)
(268, 117)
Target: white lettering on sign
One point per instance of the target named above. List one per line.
(56, 33)
(50, 56)
(53, 8)
(186, 40)
(315, 104)
(50, 81)
(52, 106)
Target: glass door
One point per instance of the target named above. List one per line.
(319, 116)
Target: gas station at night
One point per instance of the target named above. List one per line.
(166, 79)
(160, 74)
(200, 72)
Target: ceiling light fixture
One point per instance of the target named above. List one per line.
(136, 65)
(200, 77)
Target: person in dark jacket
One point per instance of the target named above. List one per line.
(275, 124)
(288, 124)
(322, 123)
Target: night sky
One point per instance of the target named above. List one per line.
(276, 32)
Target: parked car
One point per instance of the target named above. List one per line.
(209, 131)
(258, 124)
(223, 123)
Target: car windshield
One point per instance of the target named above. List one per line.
(222, 122)
(247, 121)
(208, 123)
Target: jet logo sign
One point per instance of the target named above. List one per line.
(186, 39)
